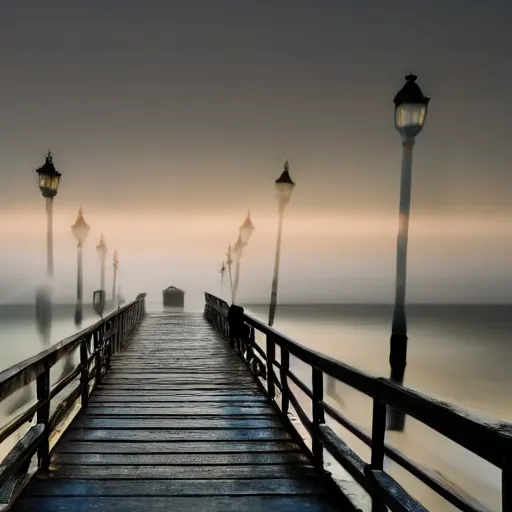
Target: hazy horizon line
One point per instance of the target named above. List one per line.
(340, 303)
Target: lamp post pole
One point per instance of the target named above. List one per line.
(102, 254)
(222, 271)
(49, 237)
(410, 114)
(80, 230)
(114, 285)
(238, 254)
(244, 235)
(229, 263)
(284, 188)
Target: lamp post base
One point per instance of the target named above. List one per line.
(398, 362)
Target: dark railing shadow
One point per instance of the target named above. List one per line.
(490, 440)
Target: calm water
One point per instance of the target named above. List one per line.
(458, 353)
(461, 354)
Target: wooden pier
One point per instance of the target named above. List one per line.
(175, 415)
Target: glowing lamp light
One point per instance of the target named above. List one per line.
(410, 108)
(80, 228)
(49, 177)
(284, 186)
(246, 230)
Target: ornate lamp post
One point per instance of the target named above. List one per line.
(49, 179)
(284, 189)
(410, 114)
(245, 232)
(114, 285)
(80, 230)
(102, 254)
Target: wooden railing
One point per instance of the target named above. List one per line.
(490, 440)
(96, 345)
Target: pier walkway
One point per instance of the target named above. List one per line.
(178, 424)
(186, 412)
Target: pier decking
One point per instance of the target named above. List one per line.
(178, 424)
(183, 412)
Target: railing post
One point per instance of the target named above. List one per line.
(236, 324)
(107, 343)
(506, 476)
(378, 438)
(97, 344)
(317, 378)
(271, 356)
(285, 367)
(84, 376)
(43, 416)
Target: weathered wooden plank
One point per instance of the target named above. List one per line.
(192, 422)
(258, 487)
(178, 410)
(190, 379)
(170, 398)
(313, 503)
(178, 459)
(176, 435)
(199, 391)
(184, 472)
(260, 407)
(204, 447)
(144, 388)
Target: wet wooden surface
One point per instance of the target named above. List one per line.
(178, 425)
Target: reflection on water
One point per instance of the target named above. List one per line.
(460, 354)
(26, 330)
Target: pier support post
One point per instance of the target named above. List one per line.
(236, 324)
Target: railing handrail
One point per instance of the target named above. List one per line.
(487, 438)
(11, 379)
(479, 435)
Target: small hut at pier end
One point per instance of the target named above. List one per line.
(174, 297)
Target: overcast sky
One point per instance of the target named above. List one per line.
(168, 120)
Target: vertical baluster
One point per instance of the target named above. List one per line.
(84, 375)
(43, 416)
(271, 356)
(317, 379)
(123, 329)
(97, 378)
(250, 348)
(118, 333)
(108, 343)
(378, 437)
(506, 476)
(285, 366)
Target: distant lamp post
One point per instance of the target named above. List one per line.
(114, 285)
(410, 114)
(49, 179)
(102, 255)
(222, 271)
(80, 230)
(229, 263)
(284, 189)
(245, 232)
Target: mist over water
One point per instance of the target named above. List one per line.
(457, 353)
(460, 354)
